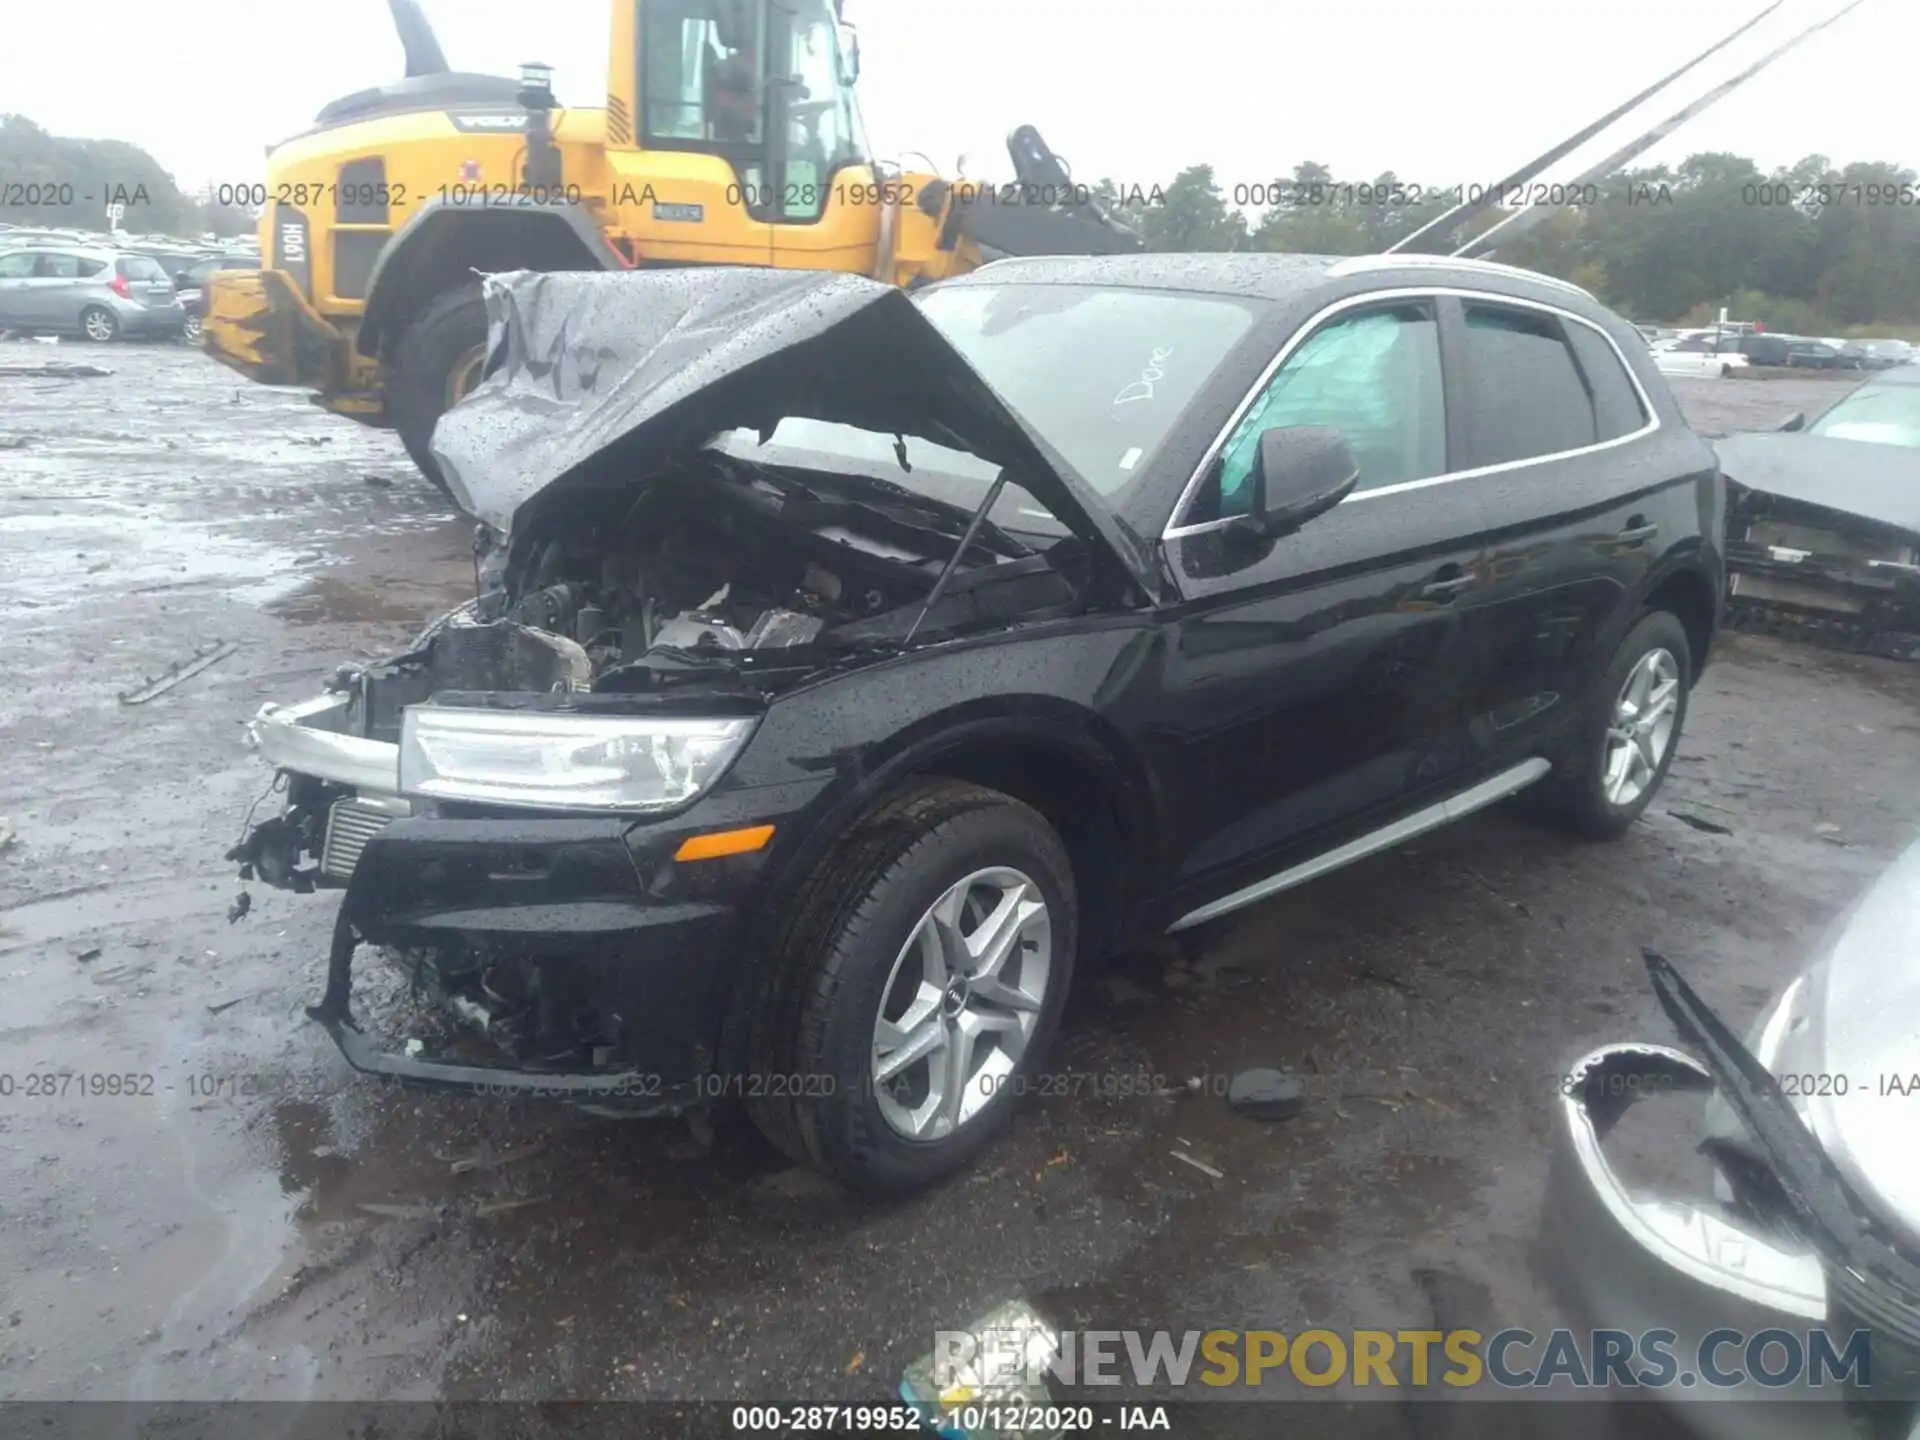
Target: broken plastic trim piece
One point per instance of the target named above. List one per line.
(636, 1093)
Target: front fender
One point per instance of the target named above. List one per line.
(449, 238)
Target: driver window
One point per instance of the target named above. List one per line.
(697, 87)
(1374, 377)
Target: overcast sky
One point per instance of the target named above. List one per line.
(1441, 91)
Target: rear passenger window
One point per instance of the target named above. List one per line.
(60, 267)
(1616, 406)
(1374, 377)
(1528, 399)
(139, 267)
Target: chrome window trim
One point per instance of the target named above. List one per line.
(1366, 264)
(1175, 531)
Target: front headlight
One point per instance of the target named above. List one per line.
(564, 761)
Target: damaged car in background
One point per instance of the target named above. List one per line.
(1824, 522)
(848, 668)
(1814, 1221)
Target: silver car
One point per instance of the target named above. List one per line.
(79, 290)
(1813, 1128)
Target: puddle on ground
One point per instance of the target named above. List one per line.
(58, 561)
(325, 599)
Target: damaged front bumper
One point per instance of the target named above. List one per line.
(593, 963)
(343, 788)
(1715, 1272)
(1869, 605)
(1637, 1262)
(1823, 576)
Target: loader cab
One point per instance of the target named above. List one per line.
(766, 85)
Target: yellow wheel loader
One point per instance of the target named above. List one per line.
(729, 136)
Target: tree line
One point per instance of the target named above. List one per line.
(64, 183)
(1811, 248)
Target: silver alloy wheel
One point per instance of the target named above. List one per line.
(1642, 727)
(192, 330)
(99, 326)
(961, 1003)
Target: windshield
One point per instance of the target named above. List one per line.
(1101, 374)
(1878, 414)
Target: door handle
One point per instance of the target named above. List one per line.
(1638, 531)
(1453, 581)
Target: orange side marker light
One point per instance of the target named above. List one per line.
(724, 842)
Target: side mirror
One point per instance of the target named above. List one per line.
(1300, 471)
(1796, 421)
(849, 55)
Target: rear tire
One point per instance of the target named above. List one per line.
(1600, 789)
(852, 953)
(433, 366)
(99, 325)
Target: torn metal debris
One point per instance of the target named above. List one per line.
(54, 370)
(155, 686)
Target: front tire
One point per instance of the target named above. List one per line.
(438, 358)
(1628, 734)
(916, 984)
(99, 325)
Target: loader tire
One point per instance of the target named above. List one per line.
(437, 359)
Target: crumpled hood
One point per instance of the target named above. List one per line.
(1875, 482)
(1858, 1017)
(602, 379)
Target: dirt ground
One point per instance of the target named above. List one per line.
(255, 1221)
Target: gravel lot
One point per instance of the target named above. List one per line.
(263, 1224)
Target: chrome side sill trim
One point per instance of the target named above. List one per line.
(299, 738)
(1455, 807)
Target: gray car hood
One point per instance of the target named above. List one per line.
(1875, 482)
(603, 379)
(1856, 1018)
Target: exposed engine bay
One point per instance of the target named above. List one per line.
(723, 573)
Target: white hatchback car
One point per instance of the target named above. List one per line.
(1699, 355)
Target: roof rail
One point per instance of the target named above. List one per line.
(1361, 264)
